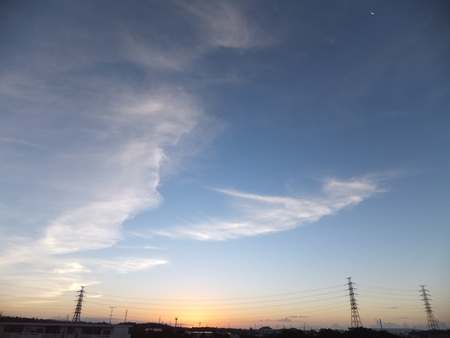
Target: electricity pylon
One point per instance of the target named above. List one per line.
(356, 320)
(77, 312)
(432, 323)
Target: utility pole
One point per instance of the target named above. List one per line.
(110, 316)
(432, 323)
(77, 312)
(356, 320)
(126, 313)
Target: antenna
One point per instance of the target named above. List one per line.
(356, 320)
(77, 312)
(110, 316)
(432, 323)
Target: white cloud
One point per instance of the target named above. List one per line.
(83, 150)
(96, 171)
(50, 279)
(125, 264)
(71, 267)
(269, 214)
(47, 278)
(159, 58)
(205, 27)
(225, 24)
(95, 189)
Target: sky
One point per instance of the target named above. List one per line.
(226, 163)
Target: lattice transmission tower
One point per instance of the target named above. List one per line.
(432, 323)
(77, 312)
(356, 320)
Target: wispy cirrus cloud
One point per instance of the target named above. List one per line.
(94, 190)
(205, 27)
(284, 320)
(59, 275)
(225, 24)
(125, 264)
(269, 214)
(98, 142)
(170, 57)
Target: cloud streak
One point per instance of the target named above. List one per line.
(99, 143)
(205, 27)
(269, 214)
(140, 133)
(224, 24)
(115, 178)
(60, 275)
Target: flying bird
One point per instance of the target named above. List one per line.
(372, 13)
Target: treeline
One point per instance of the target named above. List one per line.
(356, 333)
(16, 319)
(138, 331)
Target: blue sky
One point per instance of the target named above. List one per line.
(225, 162)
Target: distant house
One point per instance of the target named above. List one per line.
(265, 331)
(62, 330)
(200, 333)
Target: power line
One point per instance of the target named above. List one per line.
(231, 308)
(361, 286)
(310, 303)
(194, 299)
(229, 299)
(227, 304)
